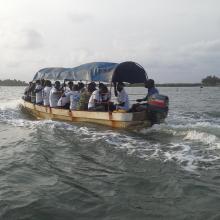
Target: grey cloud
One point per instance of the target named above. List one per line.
(33, 39)
(80, 17)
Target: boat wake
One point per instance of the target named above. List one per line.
(192, 144)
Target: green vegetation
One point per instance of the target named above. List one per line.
(179, 85)
(14, 82)
(211, 81)
(170, 85)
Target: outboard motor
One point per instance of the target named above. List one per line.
(158, 106)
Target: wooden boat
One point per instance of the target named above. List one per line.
(129, 72)
(112, 119)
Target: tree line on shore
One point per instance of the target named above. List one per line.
(14, 82)
(208, 81)
(211, 81)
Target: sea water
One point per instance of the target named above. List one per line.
(56, 170)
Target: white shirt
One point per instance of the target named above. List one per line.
(46, 94)
(123, 97)
(54, 97)
(65, 99)
(39, 96)
(74, 98)
(105, 97)
(95, 96)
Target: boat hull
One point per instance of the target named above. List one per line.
(112, 119)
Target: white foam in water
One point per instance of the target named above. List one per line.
(12, 104)
(201, 136)
(185, 153)
(188, 155)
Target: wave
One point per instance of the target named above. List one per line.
(9, 104)
(202, 137)
(183, 144)
(184, 140)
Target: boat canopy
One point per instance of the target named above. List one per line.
(129, 72)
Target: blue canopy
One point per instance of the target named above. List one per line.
(98, 71)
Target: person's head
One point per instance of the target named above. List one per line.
(103, 89)
(80, 85)
(57, 84)
(101, 85)
(70, 85)
(120, 86)
(149, 84)
(48, 83)
(75, 88)
(91, 87)
(42, 82)
(38, 82)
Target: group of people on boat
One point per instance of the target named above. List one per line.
(85, 97)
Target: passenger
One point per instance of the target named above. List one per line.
(74, 97)
(94, 101)
(84, 97)
(70, 86)
(27, 92)
(81, 87)
(105, 96)
(42, 82)
(55, 94)
(32, 93)
(122, 98)
(151, 91)
(46, 92)
(38, 91)
(64, 101)
(99, 99)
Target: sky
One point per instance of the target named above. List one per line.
(174, 40)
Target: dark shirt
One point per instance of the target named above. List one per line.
(151, 92)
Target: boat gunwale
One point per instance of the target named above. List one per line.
(94, 115)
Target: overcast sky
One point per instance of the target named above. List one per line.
(174, 40)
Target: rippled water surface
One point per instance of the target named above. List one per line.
(56, 170)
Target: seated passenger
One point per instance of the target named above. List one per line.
(105, 96)
(74, 97)
(46, 92)
(94, 101)
(99, 99)
(38, 91)
(81, 87)
(55, 94)
(151, 91)
(122, 98)
(69, 86)
(85, 96)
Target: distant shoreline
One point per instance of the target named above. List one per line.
(176, 85)
(23, 83)
(9, 82)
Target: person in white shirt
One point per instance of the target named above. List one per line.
(99, 100)
(122, 98)
(74, 97)
(64, 101)
(38, 92)
(55, 94)
(70, 86)
(94, 98)
(46, 92)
